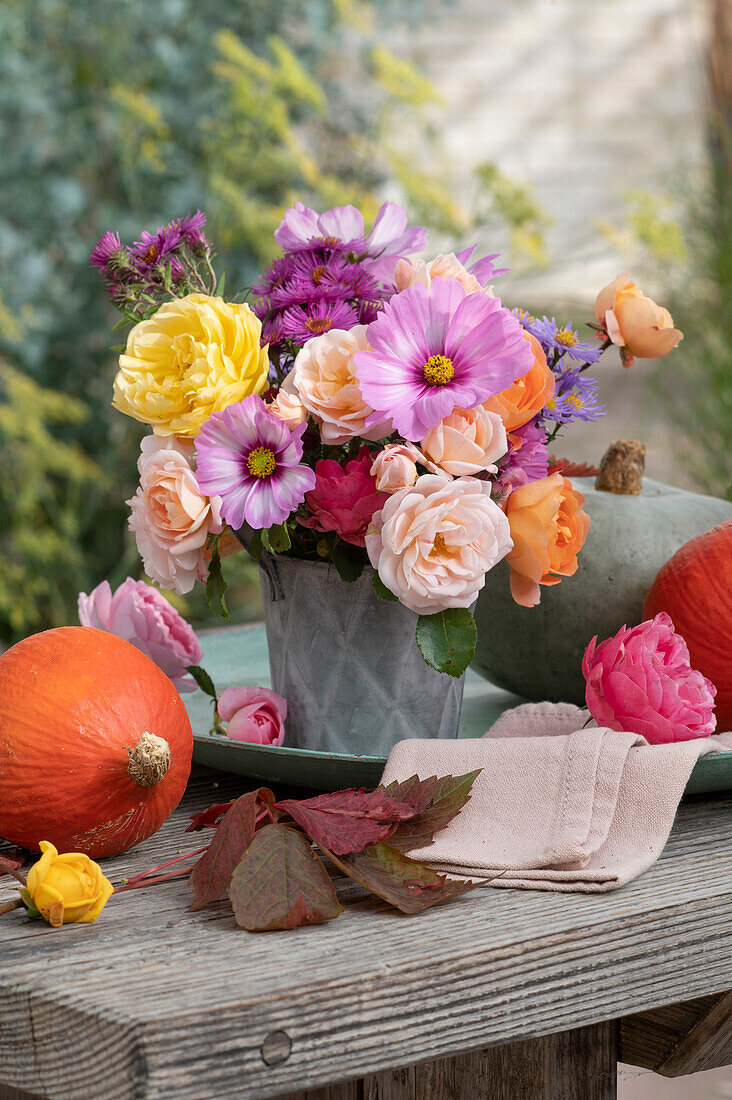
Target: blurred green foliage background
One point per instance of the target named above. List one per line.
(122, 115)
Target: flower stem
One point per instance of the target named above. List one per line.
(10, 905)
(153, 881)
(5, 867)
(162, 866)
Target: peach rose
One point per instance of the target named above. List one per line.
(467, 441)
(528, 395)
(635, 323)
(434, 542)
(548, 529)
(445, 266)
(325, 378)
(396, 467)
(171, 517)
(287, 405)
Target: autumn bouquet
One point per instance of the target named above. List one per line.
(362, 407)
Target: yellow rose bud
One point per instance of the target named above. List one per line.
(67, 889)
(193, 357)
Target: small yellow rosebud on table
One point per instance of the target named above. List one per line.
(66, 889)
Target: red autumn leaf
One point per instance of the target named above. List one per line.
(280, 883)
(437, 801)
(208, 818)
(348, 821)
(571, 469)
(14, 858)
(211, 876)
(405, 883)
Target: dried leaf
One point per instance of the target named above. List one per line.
(281, 883)
(211, 876)
(348, 821)
(571, 469)
(208, 818)
(405, 883)
(437, 800)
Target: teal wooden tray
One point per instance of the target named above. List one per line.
(238, 655)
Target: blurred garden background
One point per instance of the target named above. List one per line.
(580, 140)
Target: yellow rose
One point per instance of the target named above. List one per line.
(66, 889)
(193, 357)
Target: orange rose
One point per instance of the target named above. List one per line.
(548, 528)
(635, 323)
(528, 395)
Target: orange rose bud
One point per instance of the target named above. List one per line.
(528, 395)
(548, 528)
(635, 323)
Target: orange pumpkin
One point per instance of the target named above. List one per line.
(695, 588)
(95, 743)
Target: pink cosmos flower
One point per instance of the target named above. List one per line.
(344, 498)
(142, 616)
(253, 714)
(641, 680)
(252, 461)
(435, 348)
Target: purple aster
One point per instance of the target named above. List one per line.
(107, 248)
(152, 248)
(276, 274)
(575, 397)
(191, 230)
(528, 458)
(252, 461)
(563, 341)
(437, 348)
(301, 323)
(315, 275)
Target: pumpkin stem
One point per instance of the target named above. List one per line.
(621, 469)
(149, 760)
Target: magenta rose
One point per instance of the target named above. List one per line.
(641, 680)
(344, 498)
(141, 615)
(253, 714)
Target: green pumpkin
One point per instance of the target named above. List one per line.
(537, 651)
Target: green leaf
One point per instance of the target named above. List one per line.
(728, 494)
(216, 585)
(277, 539)
(255, 545)
(405, 883)
(281, 883)
(203, 680)
(121, 323)
(447, 640)
(438, 801)
(221, 284)
(381, 590)
(349, 560)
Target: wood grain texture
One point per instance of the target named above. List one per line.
(574, 1065)
(679, 1039)
(156, 1002)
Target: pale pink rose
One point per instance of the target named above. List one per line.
(641, 680)
(287, 405)
(325, 378)
(142, 616)
(445, 266)
(171, 517)
(467, 441)
(253, 714)
(396, 467)
(433, 543)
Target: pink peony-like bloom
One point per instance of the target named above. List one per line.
(171, 517)
(324, 376)
(466, 442)
(437, 348)
(344, 498)
(253, 714)
(433, 543)
(641, 680)
(142, 616)
(396, 467)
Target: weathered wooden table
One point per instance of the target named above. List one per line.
(500, 995)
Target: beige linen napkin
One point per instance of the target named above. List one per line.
(556, 807)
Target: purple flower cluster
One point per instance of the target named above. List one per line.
(527, 459)
(568, 357)
(332, 274)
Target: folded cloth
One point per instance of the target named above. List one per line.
(556, 806)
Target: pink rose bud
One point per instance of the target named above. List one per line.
(142, 616)
(253, 714)
(396, 467)
(641, 680)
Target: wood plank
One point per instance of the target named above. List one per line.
(682, 1038)
(573, 1065)
(181, 1004)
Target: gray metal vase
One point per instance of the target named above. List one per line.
(348, 664)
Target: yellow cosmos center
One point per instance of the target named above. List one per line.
(566, 337)
(261, 462)
(438, 370)
(318, 325)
